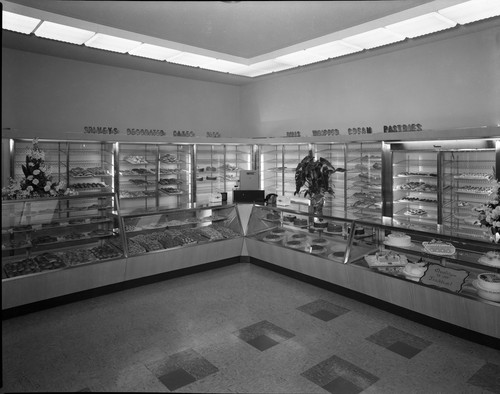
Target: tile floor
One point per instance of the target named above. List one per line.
(237, 329)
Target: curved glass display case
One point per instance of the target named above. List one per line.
(40, 235)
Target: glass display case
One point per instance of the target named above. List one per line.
(160, 230)
(363, 191)
(48, 234)
(174, 184)
(325, 236)
(55, 158)
(469, 268)
(468, 179)
(137, 167)
(90, 166)
(335, 205)
(277, 167)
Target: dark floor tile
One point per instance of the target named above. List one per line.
(324, 315)
(342, 386)
(266, 328)
(176, 379)
(314, 307)
(391, 335)
(199, 367)
(403, 349)
(262, 342)
(488, 378)
(334, 367)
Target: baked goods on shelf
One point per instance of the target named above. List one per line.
(489, 281)
(225, 231)
(414, 271)
(491, 258)
(475, 189)
(279, 231)
(273, 216)
(289, 218)
(386, 258)
(317, 249)
(473, 175)
(439, 248)
(77, 256)
(417, 187)
(415, 212)
(299, 237)
(300, 222)
(49, 261)
(320, 224)
(295, 244)
(319, 241)
(398, 239)
(105, 252)
(334, 228)
(273, 238)
(136, 160)
(21, 267)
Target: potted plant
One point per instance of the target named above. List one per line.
(312, 177)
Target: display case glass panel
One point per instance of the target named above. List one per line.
(53, 233)
(209, 178)
(137, 181)
(440, 261)
(364, 180)
(166, 229)
(335, 205)
(90, 166)
(174, 185)
(325, 236)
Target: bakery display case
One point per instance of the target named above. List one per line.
(41, 235)
(175, 181)
(363, 187)
(90, 166)
(335, 205)
(238, 158)
(55, 158)
(468, 179)
(277, 167)
(137, 169)
(441, 261)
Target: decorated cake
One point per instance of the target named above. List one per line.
(414, 270)
(388, 257)
(299, 237)
(334, 228)
(319, 241)
(296, 244)
(273, 238)
(320, 224)
(489, 281)
(300, 222)
(289, 218)
(398, 239)
(439, 248)
(317, 249)
(491, 258)
(278, 231)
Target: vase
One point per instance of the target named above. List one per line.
(317, 203)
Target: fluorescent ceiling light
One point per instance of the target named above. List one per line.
(265, 67)
(226, 66)
(111, 43)
(18, 23)
(421, 25)
(191, 59)
(300, 58)
(154, 52)
(333, 49)
(472, 11)
(374, 38)
(55, 31)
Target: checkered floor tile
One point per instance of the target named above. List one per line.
(400, 342)
(263, 335)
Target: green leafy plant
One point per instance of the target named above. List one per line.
(314, 176)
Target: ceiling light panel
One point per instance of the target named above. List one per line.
(18, 23)
(55, 31)
(111, 43)
(300, 58)
(333, 49)
(472, 11)
(374, 38)
(154, 52)
(191, 59)
(421, 25)
(265, 67)
(225, 66)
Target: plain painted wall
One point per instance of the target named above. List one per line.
(55, 97)
(449, 83)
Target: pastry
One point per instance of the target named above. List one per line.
(317, 249)
(398, 239)
(334, 228)
(491, 258)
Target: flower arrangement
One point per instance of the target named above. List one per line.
(489, 214)
(37, 181)
(314, 175)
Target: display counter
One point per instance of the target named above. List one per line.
(439, 275)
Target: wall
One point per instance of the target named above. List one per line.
(450, 83)
(52, 97)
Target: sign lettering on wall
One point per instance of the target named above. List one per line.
(405, 127)
(183, 133)
(328, 132)
(293, 134)
(143, 132)
(359, 130)
(100, 130)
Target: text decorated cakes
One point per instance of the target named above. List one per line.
(439, 248)
(398, 239)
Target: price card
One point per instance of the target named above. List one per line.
(445, 278)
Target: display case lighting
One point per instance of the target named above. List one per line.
(472, 11)
(55, 31)
(111, 43)
(422, 25)
(19, 23)
(374, 38)
(154, 52)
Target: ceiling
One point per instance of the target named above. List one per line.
(237, 30)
